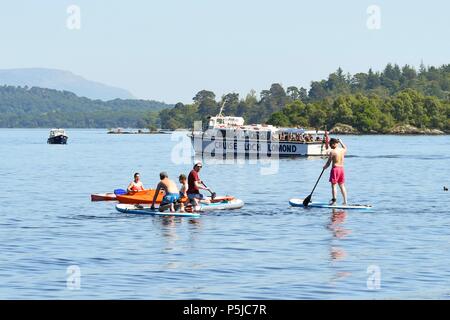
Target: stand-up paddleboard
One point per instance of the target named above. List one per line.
(145, 209)
(138, 209)
(299, 203)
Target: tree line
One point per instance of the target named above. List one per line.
(370, 102)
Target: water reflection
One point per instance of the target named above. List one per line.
(171, 224)
(338, 217)
(338, 231)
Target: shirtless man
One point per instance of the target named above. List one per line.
(337, 176)
(171, 193)
(136, 185)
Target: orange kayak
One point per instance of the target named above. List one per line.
(140, 197)
(146, 197)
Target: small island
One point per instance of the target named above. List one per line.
(138, 131)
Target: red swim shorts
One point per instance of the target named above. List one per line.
(337, 175)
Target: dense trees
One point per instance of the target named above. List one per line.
(370, 102)
(368, 113)
(38, 107)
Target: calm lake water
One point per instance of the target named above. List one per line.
(266, 250)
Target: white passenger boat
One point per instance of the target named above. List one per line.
(229, 136)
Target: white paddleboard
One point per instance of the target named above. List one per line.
(145, 209)
(138, 209)
(299, 203)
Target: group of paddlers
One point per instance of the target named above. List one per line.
(190, 187)
(174, 197)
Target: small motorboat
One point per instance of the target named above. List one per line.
(57, 136)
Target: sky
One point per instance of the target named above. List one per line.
(168, 50)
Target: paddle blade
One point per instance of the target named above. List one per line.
(120, 192)
(213, 195)
(307, 201)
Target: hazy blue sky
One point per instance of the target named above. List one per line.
(168, 50)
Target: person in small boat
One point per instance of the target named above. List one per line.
(136, 185)
(195, 185)
(183, 189)
(171, 193)
(337, 175)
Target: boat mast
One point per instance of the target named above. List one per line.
(221, 109)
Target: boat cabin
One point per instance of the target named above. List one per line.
(57, 132)
(225, 122)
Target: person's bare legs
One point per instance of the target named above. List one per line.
(344, 192)
(196, 206)
(333, 194)
(164, 207)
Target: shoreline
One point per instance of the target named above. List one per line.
(400, 130)
(357, 133)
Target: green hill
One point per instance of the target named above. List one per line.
(22, 107)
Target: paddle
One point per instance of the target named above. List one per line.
(213, 194)
(308, 198)
(120, 192)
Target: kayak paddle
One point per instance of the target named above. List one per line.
(120, 192)
(308, 198)
(213, 194)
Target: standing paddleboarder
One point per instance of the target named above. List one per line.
(337, 175)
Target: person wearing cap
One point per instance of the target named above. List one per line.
(195, 185)
(171, 193)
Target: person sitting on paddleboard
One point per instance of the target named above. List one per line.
(183, 189)
(194, 186)
(171, 193)
(136, 185)
(337, 175)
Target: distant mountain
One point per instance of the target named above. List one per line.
(61, 80)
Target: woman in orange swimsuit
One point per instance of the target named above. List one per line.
(136, 185)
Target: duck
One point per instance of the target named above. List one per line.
(445, 188)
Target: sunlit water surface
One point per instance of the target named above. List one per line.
(267, 250)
